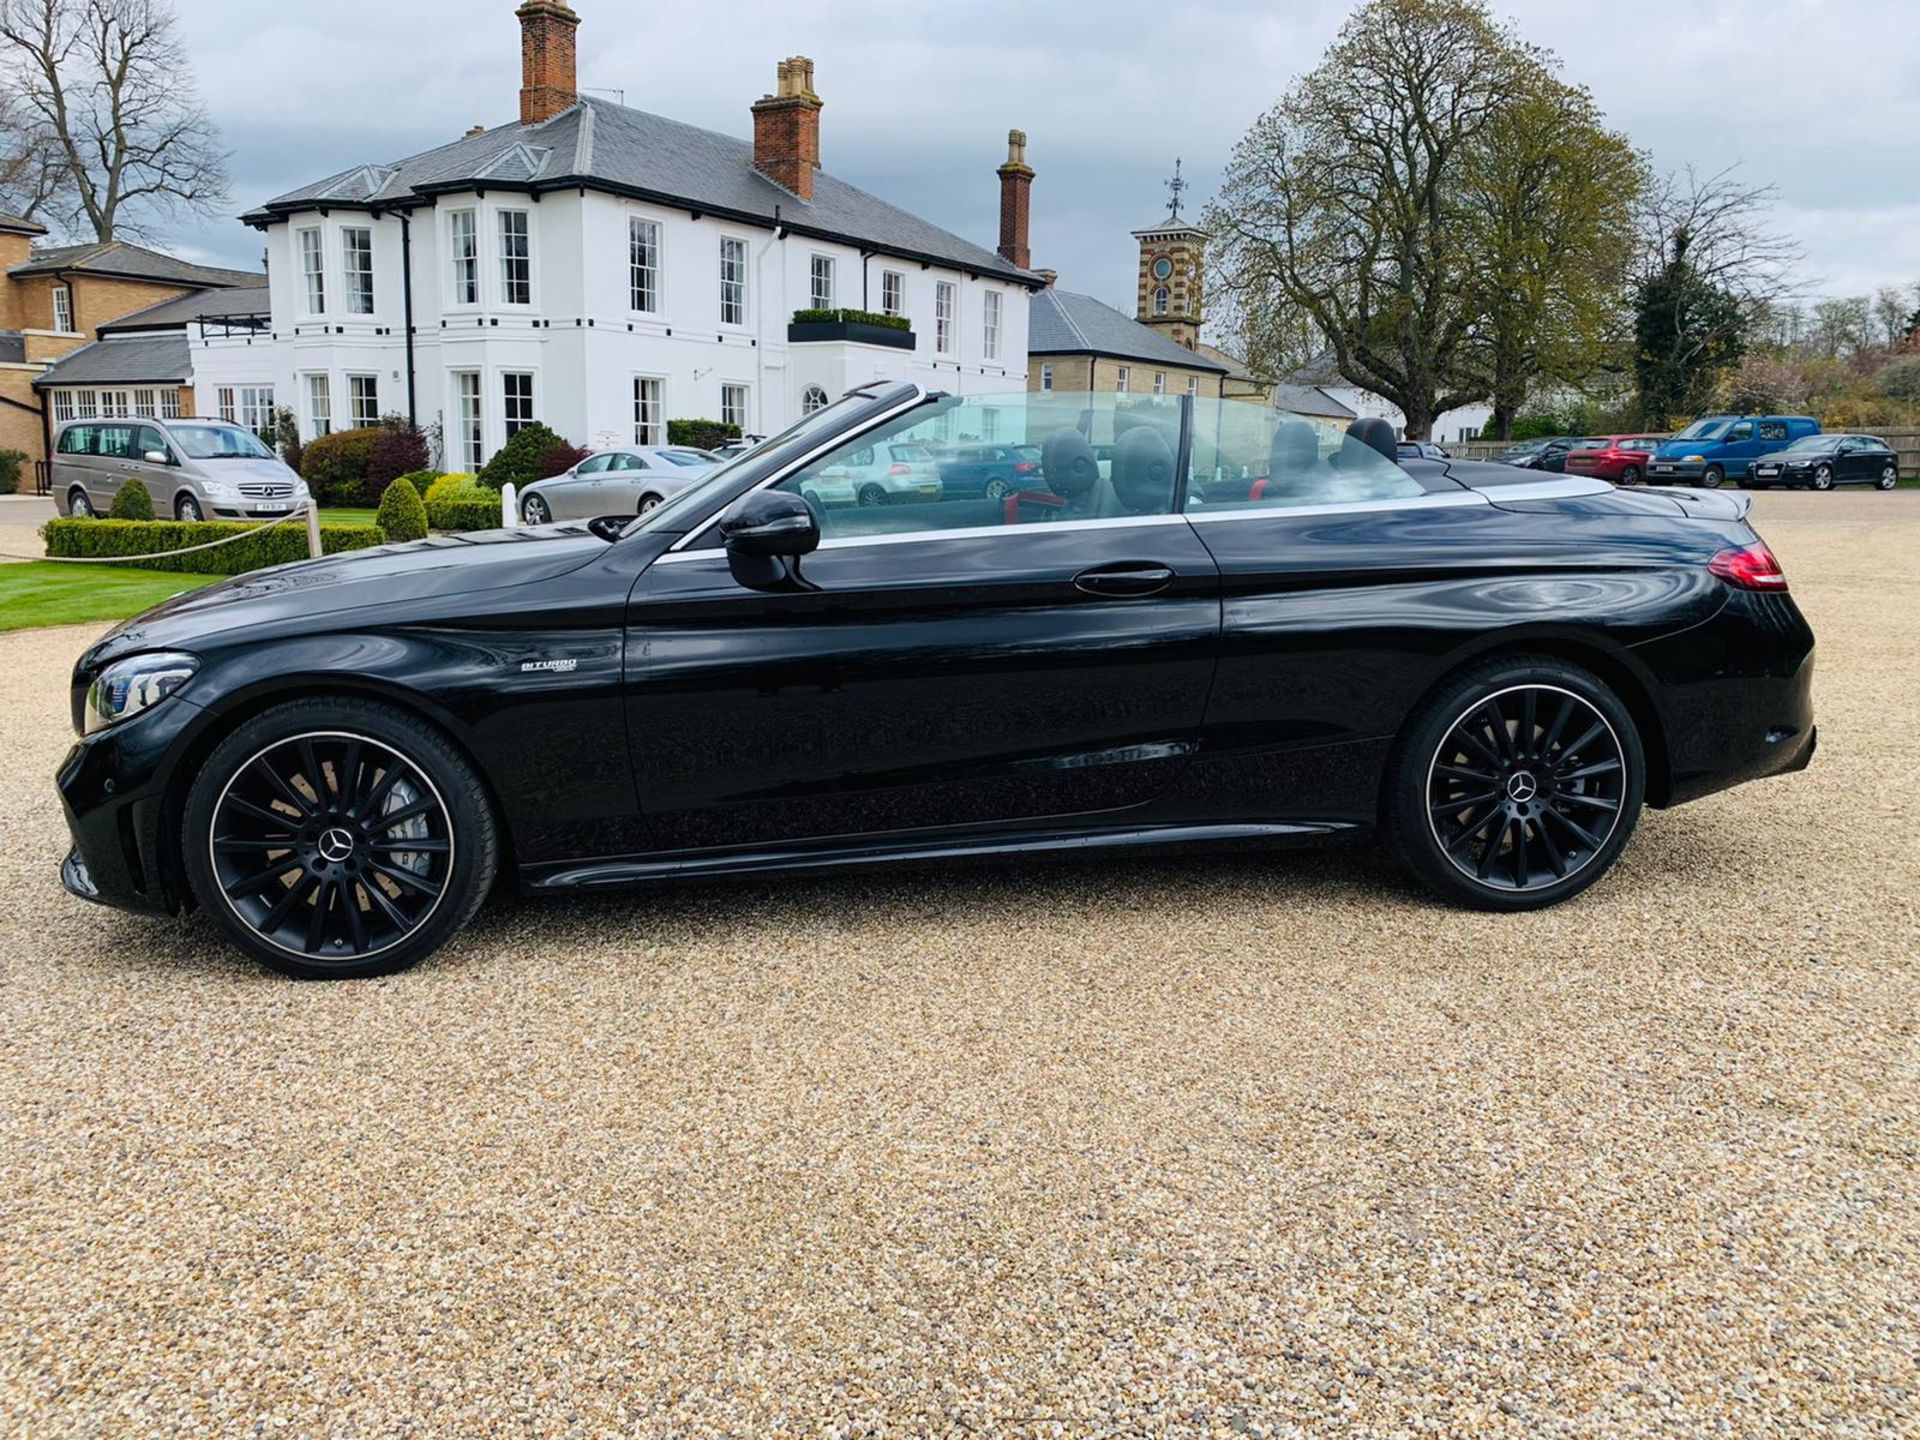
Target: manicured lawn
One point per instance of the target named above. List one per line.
(345, 515)
(44, 593)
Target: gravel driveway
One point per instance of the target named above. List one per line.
(1266, 1145)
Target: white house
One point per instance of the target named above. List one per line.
(1322, 373)
(604, 270)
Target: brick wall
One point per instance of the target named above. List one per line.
(20, 430)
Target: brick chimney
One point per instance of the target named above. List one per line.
(1016, 185)
(786, 129)
(548, 82)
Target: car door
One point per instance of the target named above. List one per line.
(160, 479)
(575, 497)
(112, 462)
(941, 668)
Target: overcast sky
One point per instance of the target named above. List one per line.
(1819, 99)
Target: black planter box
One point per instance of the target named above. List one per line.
(857, 331)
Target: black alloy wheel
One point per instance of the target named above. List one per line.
(1714, 478)
(79, 504)
(872, 495)
(1823, 478)
(187, 508)
(1889, 477)
(338, 838)
(537, 511)
(1518, 785)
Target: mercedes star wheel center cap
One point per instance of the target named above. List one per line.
(335, 846)
(1522, 787)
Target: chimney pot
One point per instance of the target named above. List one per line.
(476, 130)
(786, 128)
(548, 69)
(1016, 186)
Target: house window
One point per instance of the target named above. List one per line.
(1193, 385)
(313, 266)
(649, 411)
(822, 282)
(811, 399)
(516, 400)
(356, 252)
(990, 334)
(516, 259)
(86, 405)
(170, 404)
(1159, 382)
(363, 398)
(319, 406)
(469, 433)
(256, 407)
(63, 309)
(733, 405)
(145, 402)
(62, 406)
(1123, 379)
(224, 404)
(465, 248)
(893, 293)
(989, 423)
(733, 281)
(1046, 377)
(943, 318)
(114, 403)
(643, 264)
(1160, 298)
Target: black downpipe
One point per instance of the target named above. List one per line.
(406, 285)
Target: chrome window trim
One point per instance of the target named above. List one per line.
(1252, 510)
(962, 532)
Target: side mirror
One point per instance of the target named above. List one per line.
(766, 533)
(156, 457)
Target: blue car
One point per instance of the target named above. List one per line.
(1715, 447)
(989, 471)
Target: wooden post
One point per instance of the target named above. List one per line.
(313, 530)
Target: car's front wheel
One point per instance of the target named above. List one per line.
(1823, 478)
(187, 508)
(1517, 785)
(1630, 475)
(338, 838)
(79, 504)
(1714, 478)
(536, 510)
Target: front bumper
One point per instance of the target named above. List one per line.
(125, 840)
(1680, 472)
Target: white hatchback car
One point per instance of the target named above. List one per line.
(895, 473)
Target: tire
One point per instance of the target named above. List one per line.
(185, 507)
(1823, 478)
(1889, 477)
(343, 913)
(648, 502)
(1714, 478)
(535, 510)
(80, 505)
(997, 489)
(1630, 475)
(1466, 852)
(872, 495)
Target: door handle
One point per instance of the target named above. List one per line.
(1124, 581)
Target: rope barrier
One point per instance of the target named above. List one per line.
(310, 512)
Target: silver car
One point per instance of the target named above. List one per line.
(193, 469)
(627, 480)
(897, 472)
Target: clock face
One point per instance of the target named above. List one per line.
(1162, 268)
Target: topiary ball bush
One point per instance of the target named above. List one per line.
(402, 514)
(519, 459)
(131, 502)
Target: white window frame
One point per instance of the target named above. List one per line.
(86, 405)
(893, 293)
(807, 394)
(1123, 380)
(1162, 300)
(821, 281)
(943, 302)
(643, 264)
(1159, 382)
(739, 413)
(62, 406)
(649, 409)
(516, 256)
(115, 404)
(170, 403)
(146, 401)
(356, 268)
(1193, 386)
(224, 405)
(63, 308)
(990, 324)
(470, 418)
(463, 252)
(363, 385)
(735, 296)
(1046, 377)
(512, 422)
(319, 391)
(312, 244)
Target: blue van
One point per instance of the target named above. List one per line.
(1717, 446)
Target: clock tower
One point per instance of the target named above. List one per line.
(1173, 256)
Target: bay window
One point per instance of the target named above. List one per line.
(643, 264)
(516, 259)
(516, 396)
(313, 265)
(464, 247)
(356, 255)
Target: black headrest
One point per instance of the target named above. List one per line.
(1143, 471)
(1068, 464)
(1376, 434)
(1296, 445)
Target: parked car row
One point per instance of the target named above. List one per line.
(1757, 450)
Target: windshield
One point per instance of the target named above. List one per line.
(1814, 442)
(219, 442)
(1704, 430)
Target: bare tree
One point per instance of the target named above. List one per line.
(1720, 224)
(1891, 308)
(107, 85)
(32, 173)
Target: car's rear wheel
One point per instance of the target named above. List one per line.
(79, 504)
(536, 510)
(1714, 478)
(998, 489)
(1889, 477)
(338, 838)
(871, 495)
(185, 507)
(1823, 478)
(649, 502)
(1517, 785)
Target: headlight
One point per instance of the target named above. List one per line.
(139, 682)
(1695, 459)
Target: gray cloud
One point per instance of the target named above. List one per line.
(919, 99)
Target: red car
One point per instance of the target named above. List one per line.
(1619, 458)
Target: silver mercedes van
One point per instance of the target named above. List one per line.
(193, 469)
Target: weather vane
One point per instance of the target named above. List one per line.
(1175, 186)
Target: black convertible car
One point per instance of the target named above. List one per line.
(1199, 621)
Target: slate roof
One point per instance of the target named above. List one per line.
(1311, 400)
(20, 224)
(623, 151)
(128, 360)
(1059, 322)
(1322, 369)
(134, 262)
(237, 300)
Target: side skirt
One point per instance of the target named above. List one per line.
(711, 864)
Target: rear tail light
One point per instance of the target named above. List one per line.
(1751, 567)
(1025, 467)
(898, 469)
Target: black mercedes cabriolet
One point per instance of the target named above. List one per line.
(1196, 621)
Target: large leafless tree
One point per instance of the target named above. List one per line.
(102, 100)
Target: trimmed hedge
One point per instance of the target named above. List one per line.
(335, 466)
(92, 539)
(468, 507)
(131, 502)
(519, 459)
(701, 434)
(12, 462)
(402, 514)
(851, 317)
(440, 486)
